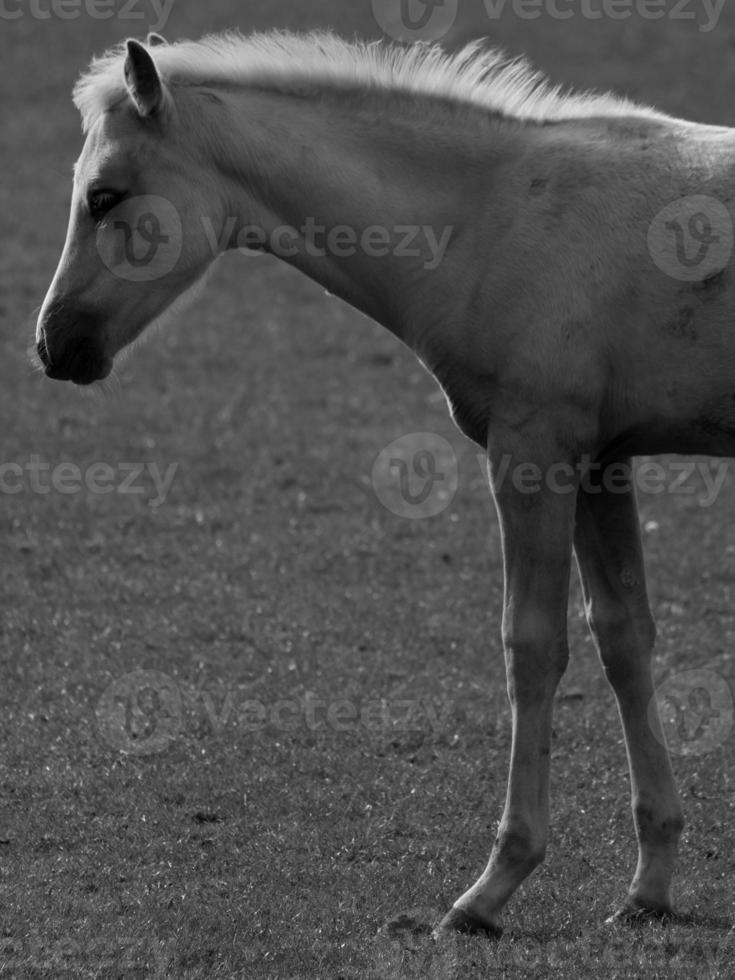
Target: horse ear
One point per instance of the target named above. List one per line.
(142, 79)
(154, 40)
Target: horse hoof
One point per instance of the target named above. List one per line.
(640, 915)
(467, 923)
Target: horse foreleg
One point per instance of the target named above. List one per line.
(537, 527)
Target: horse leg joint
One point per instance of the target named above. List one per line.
(518, 846)
(656, 828)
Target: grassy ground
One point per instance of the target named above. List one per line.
(318, 740)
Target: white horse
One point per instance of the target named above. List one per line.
(521, 241)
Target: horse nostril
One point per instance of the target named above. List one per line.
(43, 351)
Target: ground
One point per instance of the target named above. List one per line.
(246, 728)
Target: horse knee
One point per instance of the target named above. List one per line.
(537, 655)
(519, 846)
(658, 826)
(621, 632)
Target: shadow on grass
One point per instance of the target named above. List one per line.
(712, 923)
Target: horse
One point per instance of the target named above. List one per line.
(549, 286)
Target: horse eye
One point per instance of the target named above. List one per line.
(100, 202)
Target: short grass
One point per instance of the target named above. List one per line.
(274, 836)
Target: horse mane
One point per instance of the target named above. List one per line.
(474, 75)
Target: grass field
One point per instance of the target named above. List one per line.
(248, 726)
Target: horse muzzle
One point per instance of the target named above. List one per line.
(84, 363)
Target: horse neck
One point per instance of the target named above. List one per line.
(323, 163)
